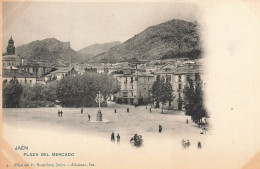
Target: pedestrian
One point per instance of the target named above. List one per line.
(150, 110)
(204, 129)
(183, 142)
(88, 117)
(188, 143)
(127, 109)
(113, 137)
(81, 110)
(115, 110)
(146, 107)
(187, 121)
(199, 145)
(118, 138)
(160, 128)
(58, 113)
(61, 113)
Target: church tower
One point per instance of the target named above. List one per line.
(10, 49)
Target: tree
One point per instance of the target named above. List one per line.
(169, 91)
(49, 91)
(188, 97)
(12, 92)
(81, 90)
(199, 109)
(162, 91)
(163, 94)
(156, 91)
(193, 100)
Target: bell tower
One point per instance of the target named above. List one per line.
(10, 49)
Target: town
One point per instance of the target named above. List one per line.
(136, 77)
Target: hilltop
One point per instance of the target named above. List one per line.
(172, 39)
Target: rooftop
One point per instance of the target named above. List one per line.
(17, 73)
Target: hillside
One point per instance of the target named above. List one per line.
(96, 49)
(172, 39)
(49, 50)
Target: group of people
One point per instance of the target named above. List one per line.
(113, 137)
(60, 113)
(137, 140)
(186, 144)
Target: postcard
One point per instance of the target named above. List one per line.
(130, 85)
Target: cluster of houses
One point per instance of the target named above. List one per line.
(136, 78)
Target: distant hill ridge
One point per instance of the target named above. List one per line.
(171, 39)
(96, 49)
(49, 49)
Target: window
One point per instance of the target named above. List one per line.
(30, 81)
(169, 77)
(3, 64)
(132, 94)
(197, 76)
(179, 86)
(124, 94)
(187, 77)
(179, 77)
(12, 64)
(9, 64)
(132, 86)
(132, 79)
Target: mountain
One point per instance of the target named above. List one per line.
(172, 39)
(50, 50)
(96, 49)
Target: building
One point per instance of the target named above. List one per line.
(60, 73)
(9, 58)
(22, 76)
(135, 88)
(180, 79)
(38, 69)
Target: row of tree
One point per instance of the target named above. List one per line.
(162, 91)
(73, 90)
(193, 100)
(81, 90)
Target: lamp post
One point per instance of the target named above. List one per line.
(99, 98)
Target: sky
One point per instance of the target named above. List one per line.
(86, 23)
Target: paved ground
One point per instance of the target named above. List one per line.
(138, 120)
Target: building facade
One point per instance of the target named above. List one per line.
(135, 88)
(23, 77)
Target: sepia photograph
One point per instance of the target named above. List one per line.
(129, 85)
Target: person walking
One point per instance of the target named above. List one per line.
(127, 109)
(82, 110)
(115, 110)
(89, 117)
(150, 110)
(118, 138)
(58, 113)
(61, 113)
(183, 142)
(188, 143)
(112, 137)
(160, 128)
(187, 121)
(199, 144)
